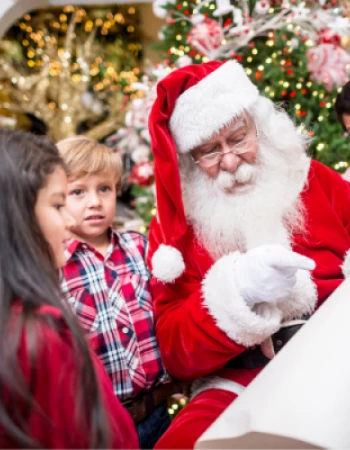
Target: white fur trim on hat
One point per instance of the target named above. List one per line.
(203, 109)
(346, 264)
(229, 309)
(167, 263)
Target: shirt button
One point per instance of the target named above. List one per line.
(125, 330)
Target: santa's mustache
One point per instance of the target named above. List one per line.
(245, 173)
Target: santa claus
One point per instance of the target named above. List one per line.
(250, 235)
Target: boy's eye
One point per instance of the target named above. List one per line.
(77, 192)
(105, 188)
(59, 206)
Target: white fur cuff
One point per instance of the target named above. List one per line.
(213, 382)
(346, 264)
(229, 309)
(303, 298)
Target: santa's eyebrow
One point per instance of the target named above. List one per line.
(238, 124)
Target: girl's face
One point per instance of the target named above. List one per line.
(51, 213)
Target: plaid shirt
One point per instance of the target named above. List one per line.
(112, 299)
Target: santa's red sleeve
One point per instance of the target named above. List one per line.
(202, 321)
(326, 200)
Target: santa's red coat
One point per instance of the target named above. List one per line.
(194, 343)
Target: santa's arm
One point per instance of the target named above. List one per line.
(202, 324)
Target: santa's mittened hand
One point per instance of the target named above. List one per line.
(268, 273)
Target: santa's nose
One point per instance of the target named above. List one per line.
(230, 162)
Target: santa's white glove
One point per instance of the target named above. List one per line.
(268, 273)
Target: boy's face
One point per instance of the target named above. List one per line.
(91, 202)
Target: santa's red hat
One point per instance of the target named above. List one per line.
(193, 103)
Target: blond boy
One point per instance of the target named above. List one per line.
(106, 281)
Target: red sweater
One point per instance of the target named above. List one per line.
(54, 386)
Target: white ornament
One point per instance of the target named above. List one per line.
(294, 43)
(223, 7)
(183, 61)
(140, 154)
(158, 8)
(197, 18)
(238, 17)
(262, 7)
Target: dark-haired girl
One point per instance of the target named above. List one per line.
(54, 393)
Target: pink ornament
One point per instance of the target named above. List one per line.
(327, 64)
(205, 36)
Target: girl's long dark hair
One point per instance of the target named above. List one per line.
(27, 272)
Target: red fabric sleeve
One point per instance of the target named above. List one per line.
(53, 382)
(191, 343)
(327, 238)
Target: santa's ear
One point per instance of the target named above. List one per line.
(346, 264)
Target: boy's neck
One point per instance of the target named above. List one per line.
(99, 243)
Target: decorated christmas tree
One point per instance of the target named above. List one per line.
(294, 51)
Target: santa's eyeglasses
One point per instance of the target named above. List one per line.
(240, 139)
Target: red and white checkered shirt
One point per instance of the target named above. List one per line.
(112, 299)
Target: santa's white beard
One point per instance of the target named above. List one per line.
(258, 204)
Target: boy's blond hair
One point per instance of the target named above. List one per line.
(85, 156)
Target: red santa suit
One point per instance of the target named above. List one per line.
(202, 321)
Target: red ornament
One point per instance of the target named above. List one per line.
(292, 94)
(327, 36)
(142, 174)
(303, 91)
(290, 71)
(258, 74)
(322, 104)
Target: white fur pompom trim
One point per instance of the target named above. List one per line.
(346, 264)
(229, 309)
(167, 263)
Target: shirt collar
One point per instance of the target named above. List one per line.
(74, 244)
